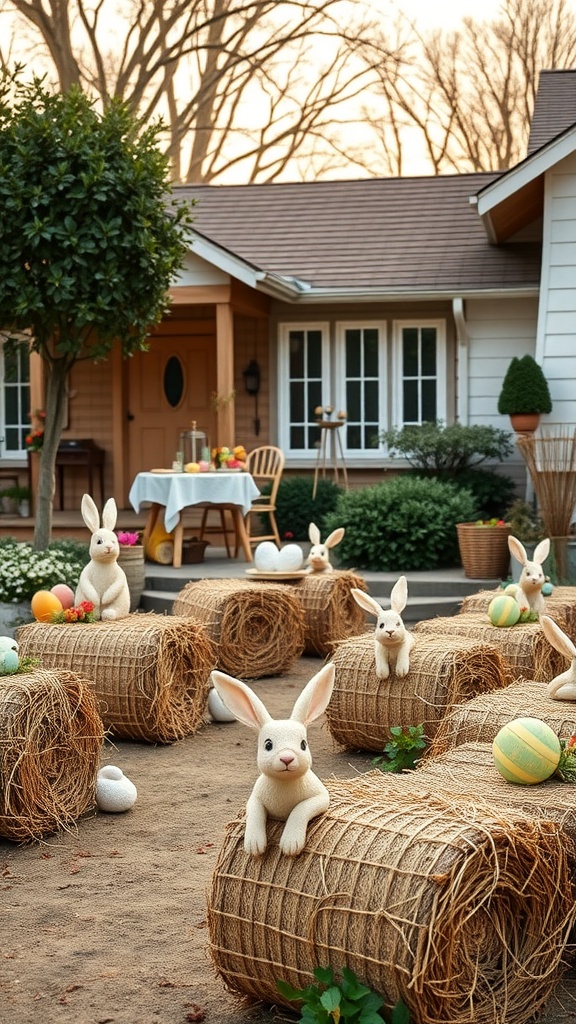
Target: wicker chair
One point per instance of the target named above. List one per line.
(266, 465)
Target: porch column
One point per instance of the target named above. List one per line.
(225, 414)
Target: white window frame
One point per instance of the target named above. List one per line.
(356, 454)
(284, 329)
(24, 423)
(441, 363)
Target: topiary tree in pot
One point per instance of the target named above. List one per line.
(524, 393)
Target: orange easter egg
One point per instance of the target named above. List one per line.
(64, 593)
(43, 604)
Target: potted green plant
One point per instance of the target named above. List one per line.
(525, 394)
(16, 499)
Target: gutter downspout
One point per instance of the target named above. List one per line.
(462, 387)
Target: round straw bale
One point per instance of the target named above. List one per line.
(524, 646)
(258, 627)
(51, 737)
(443, 671)
(560, 603)
(330, 612)
(481, 718)
(150, 673)
(460, 910)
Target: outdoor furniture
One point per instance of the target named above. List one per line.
(83, 454)
(176, 491)
(266, 465)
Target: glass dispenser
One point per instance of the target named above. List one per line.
(194, 445)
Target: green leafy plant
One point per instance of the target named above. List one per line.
(348, 1001)
(403, 750)
(407, 523)
(524, 388)
(23, 570)
(296, 509)
(524, 522)
(440, 449)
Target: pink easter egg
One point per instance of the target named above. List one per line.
(65, 595)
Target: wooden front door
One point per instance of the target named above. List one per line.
(170, 386)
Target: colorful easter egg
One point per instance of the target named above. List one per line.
(526, 751)
(8, 643)
(504, 610)
(44, 604)
(547, 588)
(9, 662)
(64, 593)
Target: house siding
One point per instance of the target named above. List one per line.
(556, 338)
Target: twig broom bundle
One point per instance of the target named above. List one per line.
(459, 909)
(524, 646)
(51, 737)
(480, 719)
(150, 673)
(258, 627)
(330, 612)
(443, 672)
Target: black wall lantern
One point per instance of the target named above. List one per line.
(252, 384)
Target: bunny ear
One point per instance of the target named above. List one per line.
(314, 533)
(109, 514)
(315, 696)
(557, 637)
(334, 538)
(517, 550)
(240, 700)
(90, 513)
(366, 602)
(541, 551)
(399, 595)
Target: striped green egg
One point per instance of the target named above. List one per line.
(503, 610)
(526, 751)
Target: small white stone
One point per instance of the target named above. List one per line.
(114, 792)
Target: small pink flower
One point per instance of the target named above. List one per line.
(126, 538)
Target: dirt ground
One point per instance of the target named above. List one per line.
(108, 926)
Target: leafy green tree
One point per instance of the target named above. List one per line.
(90, 239)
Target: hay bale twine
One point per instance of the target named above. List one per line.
(481, 718)
(419, 895)
(150, 673)
(561, 602)
(524, 646)
(51, 736)
(258, 627)
(330, 612)
(443, 671)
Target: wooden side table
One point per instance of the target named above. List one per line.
(329, 429)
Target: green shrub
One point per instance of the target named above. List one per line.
(524, 388)
(296, 509)
(406, 524)
(493, 491)
(437, 448)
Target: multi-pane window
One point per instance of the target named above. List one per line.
(14, 399)
(362, 352)
(420, 372)
(304, 365)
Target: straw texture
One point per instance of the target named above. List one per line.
(51, 736)
(459, 909)
(258, 627)
(561, 602)
(480, 719)
(150, 673)
(524, 646)
(330, 612)
(443, 671)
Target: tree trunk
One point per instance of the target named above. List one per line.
(56, 380)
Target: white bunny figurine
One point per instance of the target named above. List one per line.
(319, 558)
(103, 581)
(392, 641)
(287, 789)
(562, 687)
(532, 577)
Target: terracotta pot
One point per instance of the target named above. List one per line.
(525, 422)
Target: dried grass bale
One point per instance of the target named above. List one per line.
(480, 719)
(330, 612)
(524, 646)
(560, 603)
(258, 627)
(443, 672)
(457, 908)
(150, 673)
(51, 736)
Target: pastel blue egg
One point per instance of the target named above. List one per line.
(8, 643)
(547, 589)
(9, 662)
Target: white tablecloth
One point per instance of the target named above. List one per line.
(175, 491)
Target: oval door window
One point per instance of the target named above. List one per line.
(173, 381)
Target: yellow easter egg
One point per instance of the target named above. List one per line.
(43, 604)
(503, 610)
(192, 467)
(526, 751)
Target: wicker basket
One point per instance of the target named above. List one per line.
(484, 551)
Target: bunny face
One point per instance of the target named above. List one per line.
(283, 751)
(532, 577)
(104, 546)
(390, 630)
(319, 558)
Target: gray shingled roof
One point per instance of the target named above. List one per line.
(380, 234)
(554, 109)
